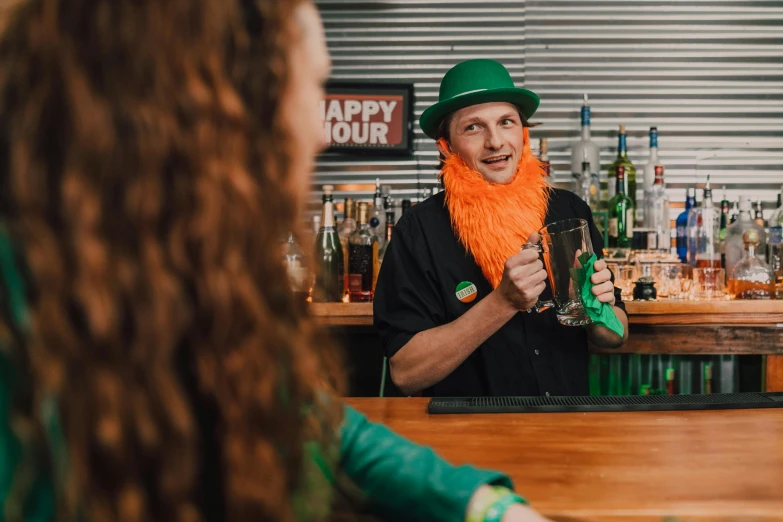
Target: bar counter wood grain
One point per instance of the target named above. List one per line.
(634, 466)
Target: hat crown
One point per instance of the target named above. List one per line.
(474, 76)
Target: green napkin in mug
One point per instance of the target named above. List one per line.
(600, 313)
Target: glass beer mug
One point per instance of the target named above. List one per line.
(560, 245)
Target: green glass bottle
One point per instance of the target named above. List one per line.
(630, 170)
(621, 214)
(329, 269)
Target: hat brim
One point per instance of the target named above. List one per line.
(430, 119)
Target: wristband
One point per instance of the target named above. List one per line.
(479, 511)
(498, 508)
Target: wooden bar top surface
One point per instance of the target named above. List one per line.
(639, 312)
(636, 466)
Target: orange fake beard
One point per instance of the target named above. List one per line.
(493, 221)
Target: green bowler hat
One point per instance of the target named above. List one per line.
(474, 82)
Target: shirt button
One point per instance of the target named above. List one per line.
(547, 394)
(536, 352)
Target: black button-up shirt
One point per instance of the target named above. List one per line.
(532, 354)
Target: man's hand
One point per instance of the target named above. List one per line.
(603, 288)
(523, 278)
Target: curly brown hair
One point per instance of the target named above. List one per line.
(143, 179)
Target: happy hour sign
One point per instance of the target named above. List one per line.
(366, 119)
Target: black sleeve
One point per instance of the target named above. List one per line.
(583, 211)
(407, 300)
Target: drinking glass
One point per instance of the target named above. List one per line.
(709, 284)
(561, 243)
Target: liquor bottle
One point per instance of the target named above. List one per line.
(297, 270)
(620, 214)
(589, 187)
(724, 215)
(630, 170)
(759, 217)
(362, 259)
(704, 233)
(724, 223)
(682, 225)
(735, 244)
(652, 160)
(670, 381)
(587, 148)
(329, 260)
(707, 378)
(658, 212)
(387, 238)
(543, 157)
(734, 213)
(376, 216)
(751, 278)
(776, 219)
(648, 180)
(347, 227)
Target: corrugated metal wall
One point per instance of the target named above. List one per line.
(708, 74)
(411, 41)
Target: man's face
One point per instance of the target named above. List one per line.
(488, 138)
(310, 67)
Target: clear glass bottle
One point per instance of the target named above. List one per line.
(751, 278)
(652, 160)
(682, 225)
(587, 148)
(362, 259)
(589, 187)
(759, 217)
(630, 170)
(297, 270)
(724, 223)
(377, 217)
(704, 233)
(329, 260)
(735, 244)
(657, 212)
(621, 214)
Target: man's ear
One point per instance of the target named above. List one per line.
(443, 147)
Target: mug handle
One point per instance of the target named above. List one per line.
(540, 306)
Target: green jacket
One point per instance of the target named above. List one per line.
(400, 480)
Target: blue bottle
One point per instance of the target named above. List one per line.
(682, 226)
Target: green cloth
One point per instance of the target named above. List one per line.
(601, 313)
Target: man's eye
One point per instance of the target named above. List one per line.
(507, 122)
(471, 127)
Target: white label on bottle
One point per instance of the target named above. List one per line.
(613, 227)
(629, 223)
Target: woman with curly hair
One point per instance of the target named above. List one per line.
(154, 365)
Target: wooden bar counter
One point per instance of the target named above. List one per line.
(677, 327)
(636, 466)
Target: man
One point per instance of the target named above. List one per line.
(452, 293)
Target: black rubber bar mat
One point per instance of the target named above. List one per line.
(716, 401)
